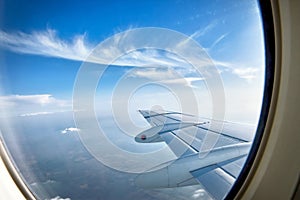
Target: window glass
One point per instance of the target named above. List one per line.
(130, 99)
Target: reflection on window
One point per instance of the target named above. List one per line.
(135, 100)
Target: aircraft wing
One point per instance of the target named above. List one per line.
(186, 136)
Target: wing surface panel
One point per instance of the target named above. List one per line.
(178, 146)
(234, 168)
(195, 136)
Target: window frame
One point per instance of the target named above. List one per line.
(263, 129)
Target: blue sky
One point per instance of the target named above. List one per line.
(43, 44)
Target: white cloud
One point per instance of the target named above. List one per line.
(150, 58)
(59, 198)
(199, 33)
(70, 129)
(48, 43)
(43, 113)
(204, 31)
(218, 40)
(40, 99)
(179, 76)
(187, 81)
(45, 43)
(242, 71)
(39, 187)
(30, 105)
(199, 193)
(247, 73)
(155, 74)
(35, 113)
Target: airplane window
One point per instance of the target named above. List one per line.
(130, 99)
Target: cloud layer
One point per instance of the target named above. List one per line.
(32, 105)
(48, 43)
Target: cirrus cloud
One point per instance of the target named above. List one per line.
(48, 43)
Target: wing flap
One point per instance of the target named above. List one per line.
(178, 146)
(234, 168)
(218, 179)
(216, 183)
